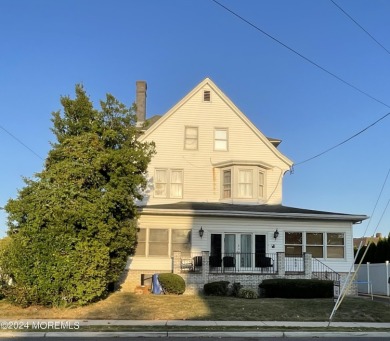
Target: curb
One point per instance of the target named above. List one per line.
(196, 334)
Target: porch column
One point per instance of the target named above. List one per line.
(176, 262)
(307, 264)
(205, 266)
(281, 268)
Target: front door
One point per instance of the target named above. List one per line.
(238, 251)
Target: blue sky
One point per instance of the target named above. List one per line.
(49, 46)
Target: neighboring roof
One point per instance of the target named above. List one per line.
(235, 210)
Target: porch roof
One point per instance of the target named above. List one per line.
(238, 210)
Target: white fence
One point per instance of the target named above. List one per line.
(374, 278)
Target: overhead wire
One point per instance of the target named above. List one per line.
(360, 26)
(321, 68)
(344, 141)
(21, 142)
(351, 275)
(301, 55)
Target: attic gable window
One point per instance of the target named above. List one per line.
(206, 96)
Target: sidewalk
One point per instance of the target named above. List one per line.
(70, 327)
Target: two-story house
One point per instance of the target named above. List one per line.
(214, 209)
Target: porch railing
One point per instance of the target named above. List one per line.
(243, 262)
(294, 264)
(324, 272)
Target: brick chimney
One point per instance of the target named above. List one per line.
(140, 101)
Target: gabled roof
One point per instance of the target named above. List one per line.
(249, 211)
(271, 143)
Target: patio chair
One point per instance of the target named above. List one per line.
(229, 262)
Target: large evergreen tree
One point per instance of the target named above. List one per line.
(73, 226)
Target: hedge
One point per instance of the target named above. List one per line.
(296, 288)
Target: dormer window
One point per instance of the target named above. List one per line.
(206, 96)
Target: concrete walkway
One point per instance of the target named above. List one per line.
(62, 328)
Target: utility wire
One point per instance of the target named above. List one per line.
(345, 141)
(23, 144)
(301, 55)
(360, 26)
(351, 275)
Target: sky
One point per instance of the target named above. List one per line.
(300, 70)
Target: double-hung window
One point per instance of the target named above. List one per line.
(181, 241)
(261, 184)
(293, 244)
(191, 138)
(245, 183)
(176, 188)
(221, 139)
(227, 184)
(168, 183)
(161, 183)
(158, 242)
(315, 244)
(335, 245)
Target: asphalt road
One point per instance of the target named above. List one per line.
(176, 338)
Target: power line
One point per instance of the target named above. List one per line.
(360, 26)
(21, 142)
(301, 55)
(345, 141)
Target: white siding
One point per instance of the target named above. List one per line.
(242, 225)
(201, 177)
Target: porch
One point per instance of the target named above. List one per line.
(249, 269)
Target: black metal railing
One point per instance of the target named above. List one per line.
(294, 264)
(243, 262)
(324, 272)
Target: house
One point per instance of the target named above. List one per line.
(213, 208)
(364, 241)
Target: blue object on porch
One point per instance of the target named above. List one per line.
(156, 286)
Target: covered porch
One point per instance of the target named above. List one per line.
(248, 269)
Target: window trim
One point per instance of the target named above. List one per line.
(168, 183)
(156, 183)
(227, 170)
(186, 138)
(217, 129)
(249, 184)
(181, 171)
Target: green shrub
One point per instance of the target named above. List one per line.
(296, 288)
(236, 289)
(247, 293)
(172, 283)
(216, 288)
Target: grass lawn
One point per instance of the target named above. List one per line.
(123, 306)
